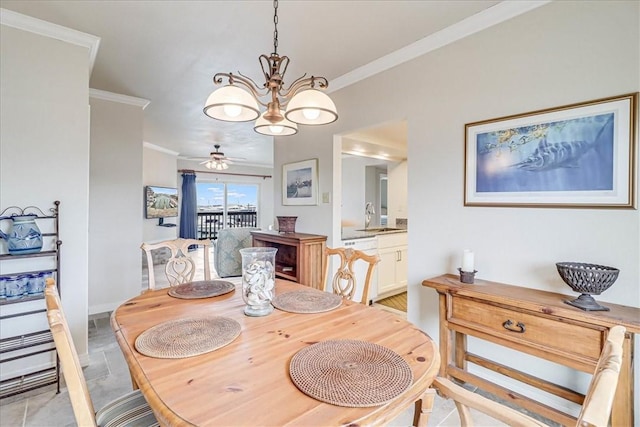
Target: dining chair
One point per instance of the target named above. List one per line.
(596, 408)
(344, 281)
(130, 409)
(180, 267)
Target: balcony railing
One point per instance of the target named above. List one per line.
(209, 223)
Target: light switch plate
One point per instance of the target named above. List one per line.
(326, 197)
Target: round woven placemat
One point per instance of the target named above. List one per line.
(307, 301)
(350, 373)
(187, 337)
(201, 289)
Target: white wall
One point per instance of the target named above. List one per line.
(115, 219)
(159, 168)
(44, 149)
(561, 53)
(397, 175)
(309, 143)
(353, 195)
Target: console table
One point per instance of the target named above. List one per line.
(535, 322)
(299, 258)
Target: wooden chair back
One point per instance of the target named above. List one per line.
(344, 282)
(74, 378)
(598, 402)
(180, 268)
(596, 408)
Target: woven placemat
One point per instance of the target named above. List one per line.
(187, 337)
(306, 301)
(201, 289)
(350, 373)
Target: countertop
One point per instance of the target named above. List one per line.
(349, 233)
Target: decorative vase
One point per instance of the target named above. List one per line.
(287, 224)
(258, 279)
(24, 237)
(587, 279)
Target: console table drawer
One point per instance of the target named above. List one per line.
(543, 333)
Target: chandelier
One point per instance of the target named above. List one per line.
(303, 102)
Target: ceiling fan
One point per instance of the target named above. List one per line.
(218, 160)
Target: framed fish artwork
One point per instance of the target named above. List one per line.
(580, 155)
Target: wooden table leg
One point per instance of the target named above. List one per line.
(423, 408)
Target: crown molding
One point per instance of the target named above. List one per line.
(116, 97)
(155, 147)
(487, 18)
(54, 31)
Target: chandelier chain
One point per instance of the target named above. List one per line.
(275, 27)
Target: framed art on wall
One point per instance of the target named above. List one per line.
(579, 155)
(300, 183)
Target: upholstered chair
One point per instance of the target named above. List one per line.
(226, 259)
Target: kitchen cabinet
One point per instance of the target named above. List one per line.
(392, 268)
(299, 258)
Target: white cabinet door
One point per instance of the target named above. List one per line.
(402, 268)
(393, 267)
(387, 270)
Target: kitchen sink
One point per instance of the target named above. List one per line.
(380, 229)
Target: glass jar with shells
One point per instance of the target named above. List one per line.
(258, 279)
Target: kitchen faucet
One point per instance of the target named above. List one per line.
(368, 211)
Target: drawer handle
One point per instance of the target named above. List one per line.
(508, 325)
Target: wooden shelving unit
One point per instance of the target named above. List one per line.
(29, 308)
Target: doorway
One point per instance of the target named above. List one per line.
(370, 167)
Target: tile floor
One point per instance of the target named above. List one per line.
(108, 377)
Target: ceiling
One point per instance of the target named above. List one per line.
(167, 52)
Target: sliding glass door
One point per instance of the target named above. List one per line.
(225, 205)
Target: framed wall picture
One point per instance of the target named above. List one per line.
(300, 183)
(579, 155)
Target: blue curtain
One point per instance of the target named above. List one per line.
(189, 207)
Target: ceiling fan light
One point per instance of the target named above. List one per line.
(311, 107)
(232, 104)
(281, 128)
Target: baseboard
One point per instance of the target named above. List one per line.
(103, 308)
(84, 359)
(389, 294)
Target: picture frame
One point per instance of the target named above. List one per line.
(574, 156)
(300, 183)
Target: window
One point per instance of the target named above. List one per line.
(225, 205)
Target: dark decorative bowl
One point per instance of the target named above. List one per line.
(287, 224)
(588, 279)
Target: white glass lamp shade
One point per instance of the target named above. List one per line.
(231, 104)
(311, 107)
(281, 128)
(217, 165)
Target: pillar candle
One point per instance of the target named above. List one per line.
(467, 261)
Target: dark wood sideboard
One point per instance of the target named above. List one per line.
(535, 322)
(299, 258)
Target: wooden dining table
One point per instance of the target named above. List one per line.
(247, 382)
